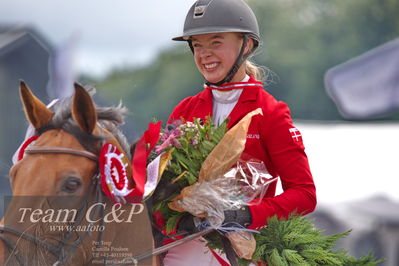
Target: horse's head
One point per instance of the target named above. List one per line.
(64, 162)
(63, 159)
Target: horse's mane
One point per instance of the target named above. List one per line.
(109, 118)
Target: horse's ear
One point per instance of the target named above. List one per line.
(83, 109)
(35, 110)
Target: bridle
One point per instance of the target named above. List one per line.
(64, 248)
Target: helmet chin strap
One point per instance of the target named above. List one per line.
(237, 64)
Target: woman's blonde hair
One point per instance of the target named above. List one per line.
(258, 72)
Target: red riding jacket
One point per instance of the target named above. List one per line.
(271, 138)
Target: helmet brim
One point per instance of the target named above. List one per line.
(208, 30)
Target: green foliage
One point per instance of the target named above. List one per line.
(189, 155)
(295, 241)
(214, 241)
(172, 221)
(293, 257)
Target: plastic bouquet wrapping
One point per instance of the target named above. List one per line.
(201, 165)
(244, 184)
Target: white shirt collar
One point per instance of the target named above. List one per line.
(228, 96)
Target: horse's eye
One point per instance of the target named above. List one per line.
(71, 184)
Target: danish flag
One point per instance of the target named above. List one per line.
(295, 134)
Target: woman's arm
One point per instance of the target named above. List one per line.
(284, 145)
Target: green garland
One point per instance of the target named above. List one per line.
(295, 241)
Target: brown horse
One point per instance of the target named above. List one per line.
(58, 214)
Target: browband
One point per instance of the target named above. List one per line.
(62, 150)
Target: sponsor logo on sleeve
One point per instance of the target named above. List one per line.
(253, 136)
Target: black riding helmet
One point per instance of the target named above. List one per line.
(216, 16)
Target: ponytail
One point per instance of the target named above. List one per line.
(260, 73)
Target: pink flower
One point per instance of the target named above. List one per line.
(169, 138)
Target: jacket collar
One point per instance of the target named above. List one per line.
(250, 89)
(251, 82)
(249, 94)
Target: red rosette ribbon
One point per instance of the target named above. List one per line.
(113, 172)
(143, 148)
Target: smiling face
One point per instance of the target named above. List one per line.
(215, 54)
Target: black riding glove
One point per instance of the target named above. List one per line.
(241, 216)
(187, 224)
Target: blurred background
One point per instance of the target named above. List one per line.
(336, 64)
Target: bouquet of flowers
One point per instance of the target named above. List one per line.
(182, 148)
(200, 164)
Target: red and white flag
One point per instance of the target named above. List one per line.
(295, 134)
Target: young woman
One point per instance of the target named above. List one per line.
(222, 35)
